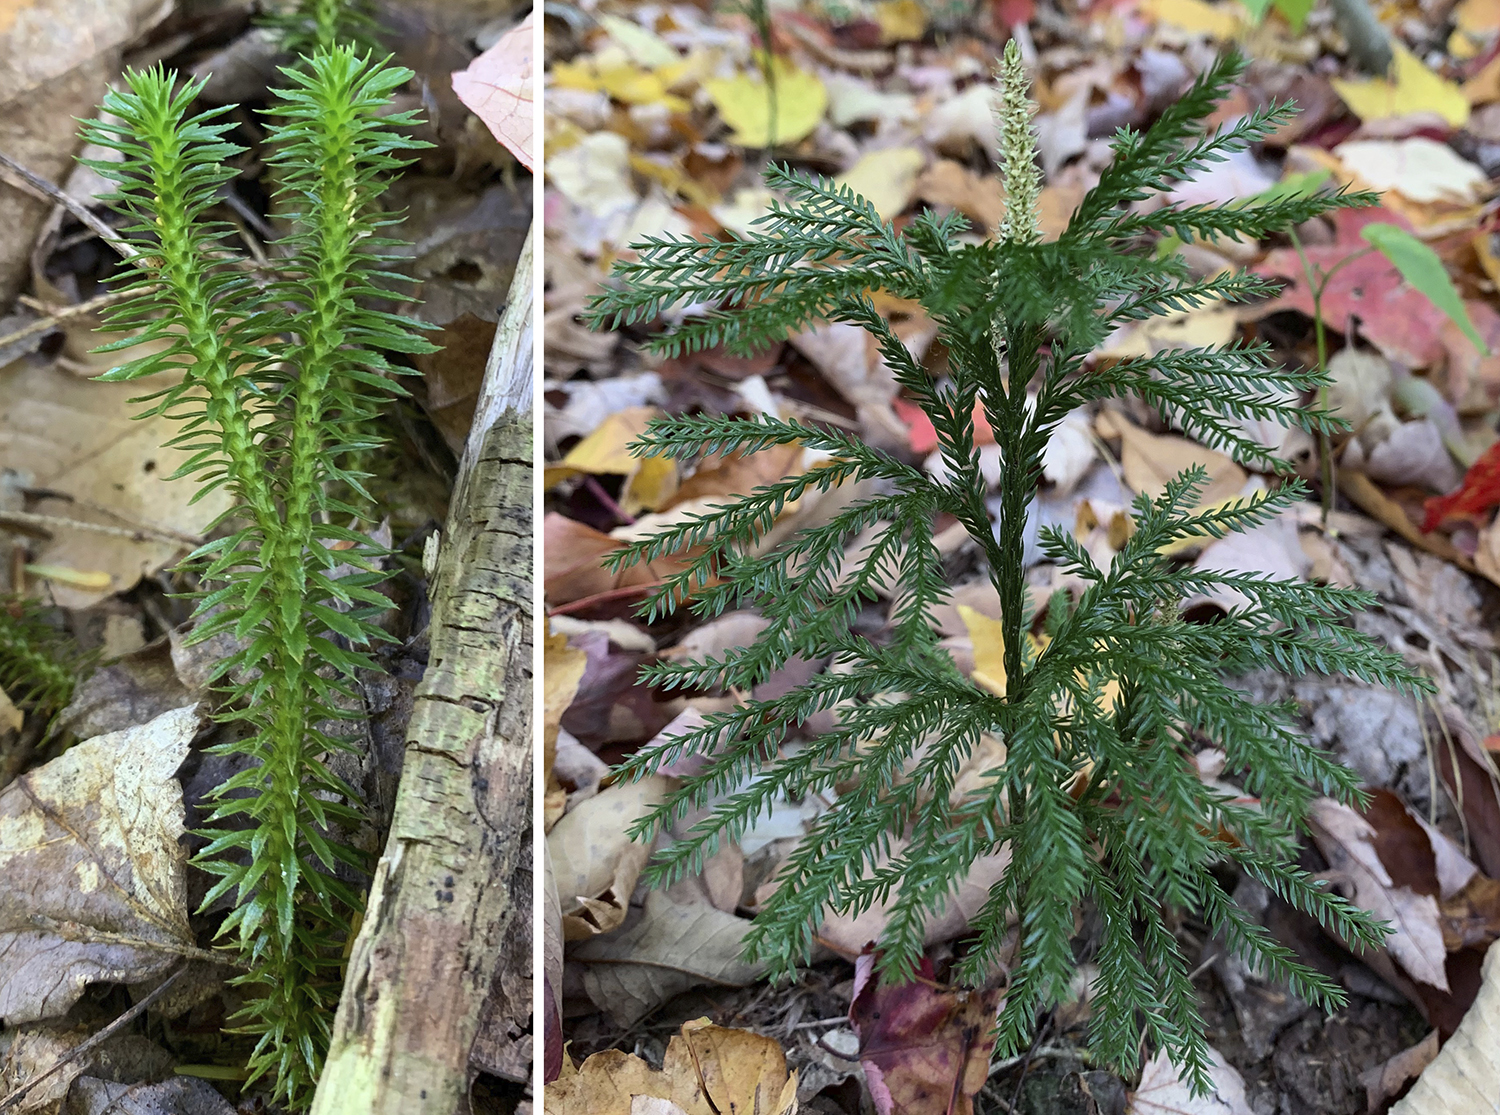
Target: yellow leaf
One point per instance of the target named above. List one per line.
(607, 449)
(1221, 23)
(900, 21)
(887, 179)
(1415, 89)
(645, 48)
(1484, 86)
(988, 637)
(744, 104)
(562, 670)
(576, 75)
(632, 85)
(650, 486)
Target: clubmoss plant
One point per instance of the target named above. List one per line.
(273, 381)
(1098, 797)
(306, 26)
(38, 667)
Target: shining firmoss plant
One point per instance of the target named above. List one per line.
(273, 379)
(1098, 797)
(306, 26)
(38, 667)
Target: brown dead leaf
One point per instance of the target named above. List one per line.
(93, 876)
(595, 862)
(925, 1047)
(77, 437)
(452, 375)
(708, 1070)
(1386, 1079)
(1368, 497)
(952, 185)
(737, 475)
(1151, 460)
(672, 948)
(572, 569)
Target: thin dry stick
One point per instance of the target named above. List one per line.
(27, 521)
(89, 1044)
(64, 314)
(34, 184)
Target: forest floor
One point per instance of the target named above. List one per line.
(658, 122)
(104, 771)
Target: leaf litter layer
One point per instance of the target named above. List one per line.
(904, 118)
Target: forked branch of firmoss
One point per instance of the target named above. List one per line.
(1098, 798)
(272, 389)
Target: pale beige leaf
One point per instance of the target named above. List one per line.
(1347, 842)
(93, 880)
(1151, 460)
(498, 88)
(1163, 1092)
(671, 949)
(595, 862)
(79, 438)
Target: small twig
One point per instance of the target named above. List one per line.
(29, 521)
(36, 185)
(624, 593)
(93, 1042)
(596, 489)
(66, 313)
(815, 1023)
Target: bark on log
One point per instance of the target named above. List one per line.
(441, 903)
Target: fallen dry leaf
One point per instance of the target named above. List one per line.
(1464, 1079)
(1163, 1092)
(887, 178)
(1415, 89)
(848, 936)
(93, 874)
(76, 437)
(498, 87)
(562, 669)
(925, 1047)
(952, 185)
(1386, 1079)
(594, 861)
(707, 1070)
(1347, 842)
(672, 948)
(1150, 460)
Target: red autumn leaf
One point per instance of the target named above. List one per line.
(1479, 492)
(923, 436)
(1392, 314)
(925, 1047)
(1008, 13)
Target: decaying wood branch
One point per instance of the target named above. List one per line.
(441, 900)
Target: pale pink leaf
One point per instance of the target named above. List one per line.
(498, 88)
